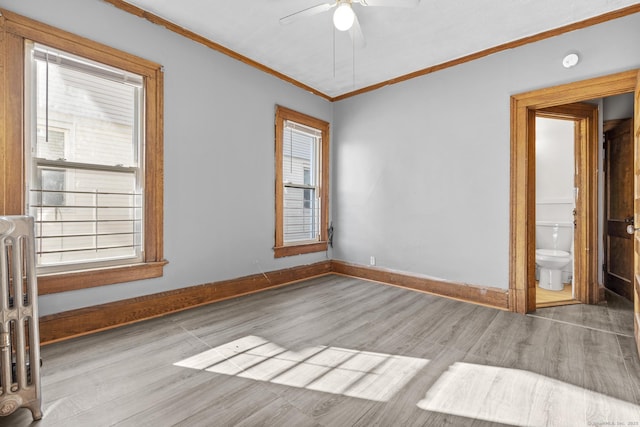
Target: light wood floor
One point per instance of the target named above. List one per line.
(336, 351)
(546, 298)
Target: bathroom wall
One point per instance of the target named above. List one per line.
(555, 170)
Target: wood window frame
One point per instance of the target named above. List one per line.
(14, 31)
(282, 249)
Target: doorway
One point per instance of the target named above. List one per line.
(522, 290)
(578, 206)
(555, 181)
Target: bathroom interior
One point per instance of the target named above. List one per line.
(555, 201)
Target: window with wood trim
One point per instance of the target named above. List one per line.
(83, 135)
(302, 183)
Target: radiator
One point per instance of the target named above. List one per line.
(19, 332)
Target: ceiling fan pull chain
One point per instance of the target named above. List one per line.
(353, 65)
(334, 52)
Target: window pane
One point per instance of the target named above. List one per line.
(99, 113)
(299, 157)
(300, 150)
(52, 185)
(300, 222)
(51, 147)
(100, 218)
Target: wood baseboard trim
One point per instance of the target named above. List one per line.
(492, 297)
(70, 324)
(74, 323)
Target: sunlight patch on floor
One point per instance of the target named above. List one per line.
(522, 398)
(360, 374)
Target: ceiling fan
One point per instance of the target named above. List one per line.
(344, 18)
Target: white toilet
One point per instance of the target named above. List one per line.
(554, 244)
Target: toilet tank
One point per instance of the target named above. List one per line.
(554, 235)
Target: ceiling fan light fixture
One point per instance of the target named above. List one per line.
(343, 17)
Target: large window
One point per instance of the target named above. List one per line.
(83, 135)
(302, 153)
(84, 148)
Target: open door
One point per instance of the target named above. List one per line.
(618, 207)
(636, 210)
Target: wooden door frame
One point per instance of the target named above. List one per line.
(636, 212)
(522, 187)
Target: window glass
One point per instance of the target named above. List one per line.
(300, 158)
(86, 186)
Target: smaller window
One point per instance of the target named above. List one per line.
(302, 153)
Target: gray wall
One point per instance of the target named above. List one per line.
(219, 151)
(421, 168)
(618, 107)
(420, 173)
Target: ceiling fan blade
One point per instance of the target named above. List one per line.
(356, 34)
(390, 3)
(313, 10)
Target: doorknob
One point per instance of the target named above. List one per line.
(631, 227)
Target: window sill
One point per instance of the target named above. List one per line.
(82, 279)
(299, 249)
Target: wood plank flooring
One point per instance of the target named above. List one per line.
(546, 298)
(336, 351)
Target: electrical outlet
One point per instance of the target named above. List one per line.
(372, 260)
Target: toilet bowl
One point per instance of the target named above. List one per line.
(551, 263)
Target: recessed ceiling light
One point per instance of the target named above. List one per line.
(571, 60)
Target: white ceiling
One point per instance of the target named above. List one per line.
(399, 41)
